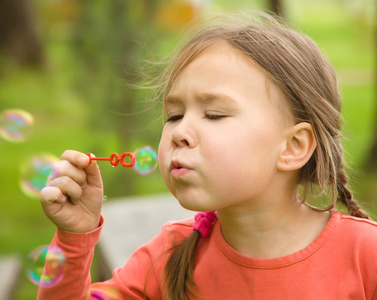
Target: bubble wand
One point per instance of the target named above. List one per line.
(115, 159)
(143, 161)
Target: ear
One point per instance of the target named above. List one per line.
(299, 147)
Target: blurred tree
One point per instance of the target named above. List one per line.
(276, 6)
(18, 34)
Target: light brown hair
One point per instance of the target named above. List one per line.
(309, 83)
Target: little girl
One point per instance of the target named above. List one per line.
(252, 127)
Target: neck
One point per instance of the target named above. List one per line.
(272, 231)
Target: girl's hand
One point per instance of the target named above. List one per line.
(73, 196)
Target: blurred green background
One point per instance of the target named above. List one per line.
(66, 62)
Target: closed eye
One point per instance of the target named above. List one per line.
(173, 118)
(214, 116)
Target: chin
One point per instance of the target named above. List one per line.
(193, 199)
(193, 205)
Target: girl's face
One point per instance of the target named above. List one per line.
(226, 128)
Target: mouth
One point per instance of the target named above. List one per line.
(178, 169)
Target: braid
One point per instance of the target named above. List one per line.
(179, 269)
(345, 196)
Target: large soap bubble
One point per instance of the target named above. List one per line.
(34, 173)
(15, 125)
(146, 160)
(45, 265)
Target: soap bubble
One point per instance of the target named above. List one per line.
(34, 173)
(146, 160)
(15, 125)
(45, 265)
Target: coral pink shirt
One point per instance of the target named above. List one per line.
(341, 263)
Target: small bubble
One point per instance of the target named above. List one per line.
(15, 125)
(34, 173)
(45, 265)
(146, 160)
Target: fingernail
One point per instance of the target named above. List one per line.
(83, 159)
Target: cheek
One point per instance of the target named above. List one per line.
(163, 149)
(247, 152)
(164, 161)
(161, 154)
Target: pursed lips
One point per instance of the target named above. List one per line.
(178, 169)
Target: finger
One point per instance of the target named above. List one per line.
(52, 199)
(76, 158)
(65, 168)
(68, 187)
(93, 174)
(81, 160)
(51, 194)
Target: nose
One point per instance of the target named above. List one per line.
(184, 133)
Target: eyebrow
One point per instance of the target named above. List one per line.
(206, 98)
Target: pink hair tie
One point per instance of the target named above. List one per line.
(204, 221)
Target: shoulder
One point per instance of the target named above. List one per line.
(144, 269)
(174, 230)
(359, 230)
(359, 241)
(363, 225)
(188, 222)
(157, 249)
(171, 234)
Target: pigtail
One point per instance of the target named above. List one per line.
(345, 196)
(179, 269)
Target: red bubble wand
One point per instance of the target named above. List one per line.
(115, 159)
(144, 160)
